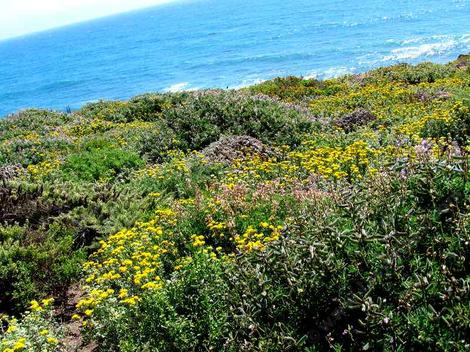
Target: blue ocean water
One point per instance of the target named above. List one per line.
(192, 44)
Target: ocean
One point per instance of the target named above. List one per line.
(193, 44)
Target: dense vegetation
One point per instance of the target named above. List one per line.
(295, 215)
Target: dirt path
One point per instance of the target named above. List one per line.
(73, 340)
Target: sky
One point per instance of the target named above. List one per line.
(19, 17)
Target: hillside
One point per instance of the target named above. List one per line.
(294, 215)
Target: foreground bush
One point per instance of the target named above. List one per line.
(23, 251)
(346, 270)
(36, 332)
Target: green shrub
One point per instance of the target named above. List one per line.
(31, 120)
(295, 88)
(189, 314)
(348, 273)
(155, 143)
(37, 331)
(107, 110)
(35, 264)
(26, 137)
(203, 117)
(426, 72)
(458, 129)
(353, 275)
(147, 107)
(150, 107)
(99, 160)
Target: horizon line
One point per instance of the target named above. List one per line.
(99, 18)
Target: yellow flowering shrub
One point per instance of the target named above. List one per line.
(35, 332)
(44, 168)
(129, 263)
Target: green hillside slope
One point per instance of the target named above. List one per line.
(294, 215)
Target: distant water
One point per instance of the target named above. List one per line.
(224, 43)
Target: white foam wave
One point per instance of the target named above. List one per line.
(247, 83)
(413, 52)
(331, 72)
(427, 47)
(178, 87)
(406, 41)
(410, 49)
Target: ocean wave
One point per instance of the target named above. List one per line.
(427, 47)
(402, 42)
(247, 82)
(413, 52)
(331, 72)
(273, 57)
(177, 87)
(374, 20)
(413, 48)
(438, 38)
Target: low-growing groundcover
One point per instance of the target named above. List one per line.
(295, 215)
